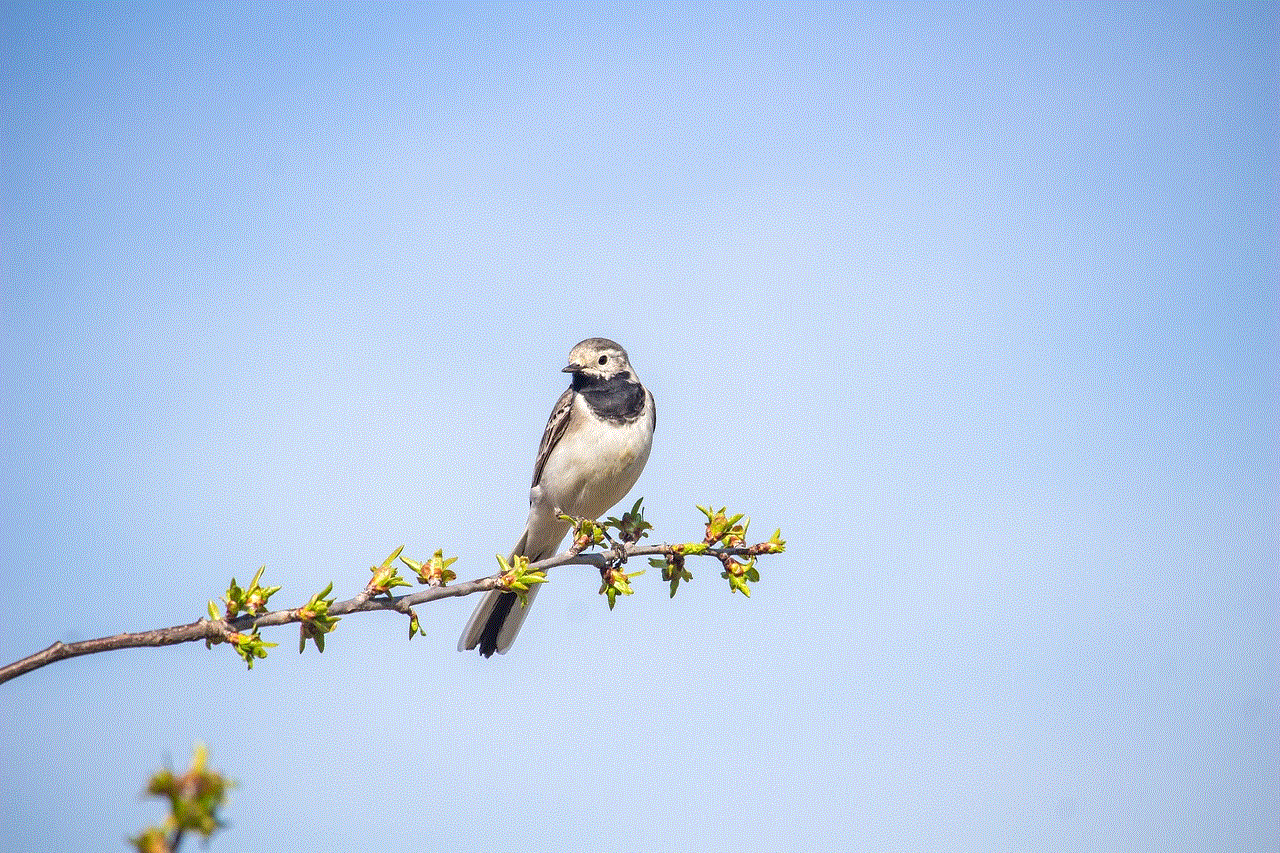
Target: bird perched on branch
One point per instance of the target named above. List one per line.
(593, 450)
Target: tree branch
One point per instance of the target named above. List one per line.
(224, 630)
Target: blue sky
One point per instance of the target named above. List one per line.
(978, 305)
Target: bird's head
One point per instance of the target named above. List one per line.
(599, 359)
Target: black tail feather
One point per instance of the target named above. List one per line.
(489, 635)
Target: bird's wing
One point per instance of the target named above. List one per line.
(556, 426)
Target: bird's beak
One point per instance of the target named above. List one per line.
(571, 367)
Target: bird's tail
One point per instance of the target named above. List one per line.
(496, 621)
(497, 618)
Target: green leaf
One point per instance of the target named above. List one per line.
(315, 621)
(252, 600)
(615, 582)
(631, 527)
(385, 578)
(739, 573)
(194, 800)
(673, 569)
(517, 577)
(775, 545)
(586, 532)
(250, 647)
(414, 627)
(435, 571)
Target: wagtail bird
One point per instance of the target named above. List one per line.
(593, 450)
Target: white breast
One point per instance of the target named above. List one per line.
(592, 468)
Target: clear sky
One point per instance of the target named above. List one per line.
(978, 305)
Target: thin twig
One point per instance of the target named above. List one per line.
(219, 629)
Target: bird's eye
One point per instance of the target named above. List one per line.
(603, 359)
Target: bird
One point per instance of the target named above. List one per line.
(596, 443)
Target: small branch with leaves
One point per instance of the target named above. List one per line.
(244, 611)
(194, 796)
